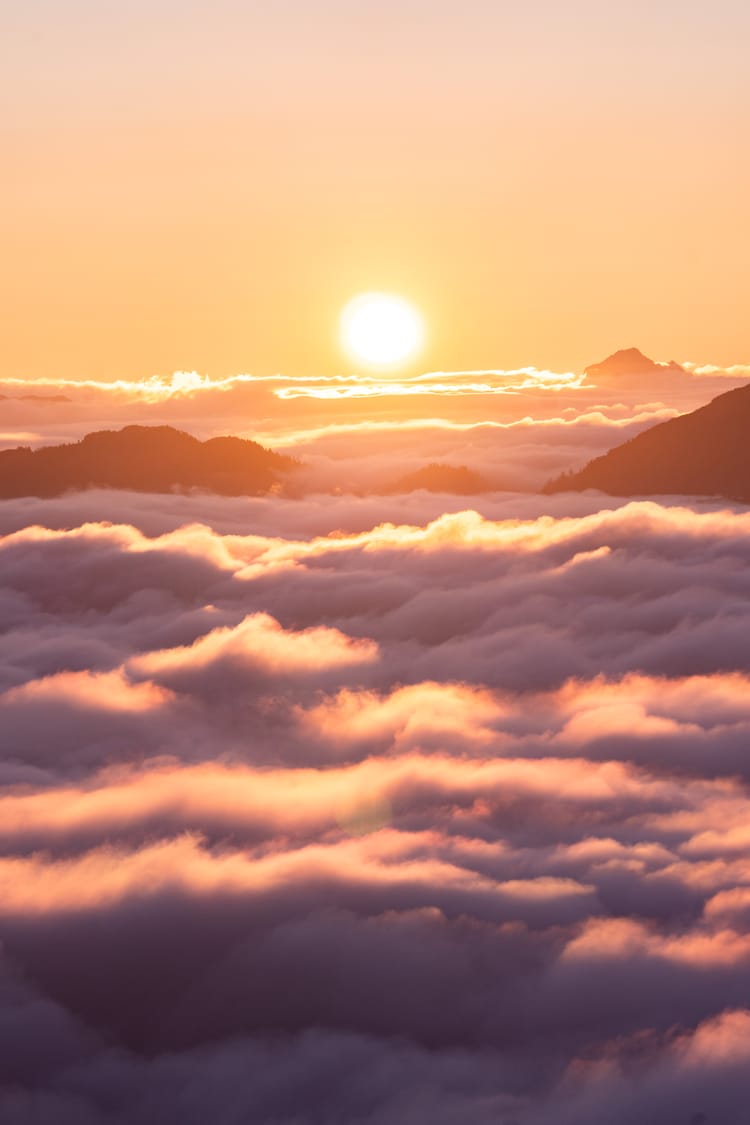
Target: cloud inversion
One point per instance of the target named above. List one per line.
(439, 820)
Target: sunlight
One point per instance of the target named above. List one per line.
(381, 330)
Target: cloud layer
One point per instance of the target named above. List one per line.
(434, 821)
(518, 429)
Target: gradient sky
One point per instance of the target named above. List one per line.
(202, 186)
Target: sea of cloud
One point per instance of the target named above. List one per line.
(374, 810)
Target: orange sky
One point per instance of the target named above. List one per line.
(203, 186)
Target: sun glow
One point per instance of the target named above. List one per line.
(381, 330)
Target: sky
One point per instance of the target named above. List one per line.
(203, 187)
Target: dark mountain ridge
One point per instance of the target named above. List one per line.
(704, 453)
(143, 459)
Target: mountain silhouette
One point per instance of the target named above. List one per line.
(629, 364)
(143, 459)
(436, 477)
(704, 453)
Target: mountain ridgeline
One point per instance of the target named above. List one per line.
(704, 453)
(144, 459)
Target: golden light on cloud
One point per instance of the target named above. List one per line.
(381, 330)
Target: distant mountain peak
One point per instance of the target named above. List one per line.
(457, 480)
(630, 363)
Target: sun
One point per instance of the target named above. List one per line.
(381, 329)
